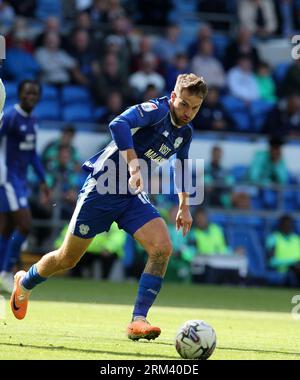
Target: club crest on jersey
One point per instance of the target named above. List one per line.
(148, 106)
(84, 229)
(177, 142)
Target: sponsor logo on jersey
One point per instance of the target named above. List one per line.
(177, 142)
(84, 229)
(148, 106)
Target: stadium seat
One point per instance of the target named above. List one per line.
(78, 112)
(220, 42)
(75, 94)
(241, 121)
(99, 112)
(247, 237)
(280, 71)
(220, 219)
(259, 110)
(231, 103)
(46, 8)
(239, 172)
(269, 198)
(289, 200)
(49, 92)
(48, 110)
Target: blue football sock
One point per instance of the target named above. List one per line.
(149, 287)
(32, 278)
(3, 249)
(13, 251)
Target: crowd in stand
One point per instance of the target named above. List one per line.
(110, 48)
(106, 50)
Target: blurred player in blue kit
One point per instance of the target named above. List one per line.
(17, 152)
(151, 132)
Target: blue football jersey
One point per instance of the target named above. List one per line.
(18, 147)
(147, 128)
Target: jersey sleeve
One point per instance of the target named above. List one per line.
(138, 116)
(181, 168)
(5, 123)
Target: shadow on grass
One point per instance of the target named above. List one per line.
(259, 351)
(88, 351)
(172, 295)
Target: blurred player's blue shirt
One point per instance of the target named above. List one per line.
(18, 147)
(147, 128)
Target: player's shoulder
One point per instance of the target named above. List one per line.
(159, 107)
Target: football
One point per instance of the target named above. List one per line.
(195, 340)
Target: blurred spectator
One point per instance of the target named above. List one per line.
(82, 51)
(284, 118)
(83, 21)
(265, 82)
(153, 12)
(241, 80)
(121, 28)
(287, 12)
(51, 24)
(145, 46)
(205, 32)
(283, 247)
(150, 93)
(217, 180)
(98, 11)
(269, 166)
(114, 45)
(57, 66)
(115, 10)
(241, 45)
(183, 250)
(7, 16)
(258, 16)
(215, 7)
(22, 30)
(114, 107)
(291, 82)
(19, 63)
(209, 237)
(63, 181)
(212, 115)
(180, 65)
(24, 8)
(51, 151)
(205, 64)
(147, 75)
(167, 47)
(82, 5)
(110, 79)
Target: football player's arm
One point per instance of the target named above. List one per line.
(39, 170)
(184, 219)
(121, 126)
(3, 127)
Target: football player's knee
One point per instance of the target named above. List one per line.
(164, 247)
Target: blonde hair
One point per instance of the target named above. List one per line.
(191, 82)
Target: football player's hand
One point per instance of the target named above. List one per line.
(136, 182)
(184, 220)
(45, 193)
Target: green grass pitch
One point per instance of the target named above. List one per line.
(83, 319)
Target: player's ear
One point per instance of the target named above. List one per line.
(173, 96)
